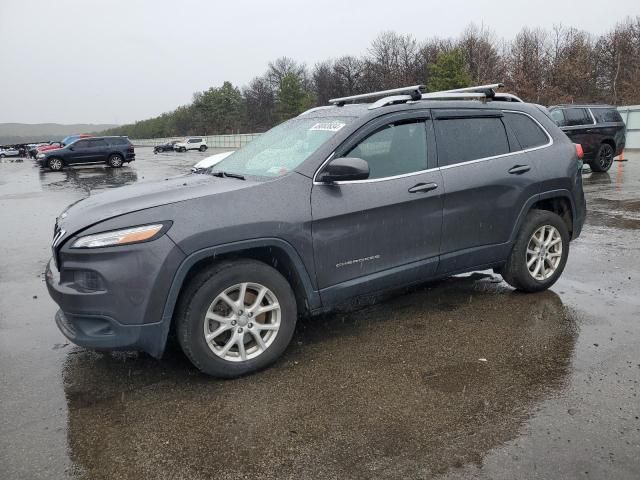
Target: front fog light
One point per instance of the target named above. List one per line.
(119, 237)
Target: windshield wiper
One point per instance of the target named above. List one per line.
(222, 174)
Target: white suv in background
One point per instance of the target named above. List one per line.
(191, 144)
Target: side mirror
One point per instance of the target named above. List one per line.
(344, 169)
(72, 148)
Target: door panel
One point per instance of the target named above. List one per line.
(363, 228)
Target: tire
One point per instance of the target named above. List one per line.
(203, 294)
(155, 151)
(55, 164)
(115, 160)
(2, 155)
(517, 273)
(203, 148)
(604, 158)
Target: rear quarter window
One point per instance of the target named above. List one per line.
(119, 141)
(606, 115)
(465, 139)
(527, 132)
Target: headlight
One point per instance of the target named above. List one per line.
(40, 155)
(119, 237)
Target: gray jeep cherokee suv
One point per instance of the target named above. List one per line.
(342, 201)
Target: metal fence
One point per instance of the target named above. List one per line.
(213, 141)
(631, 117)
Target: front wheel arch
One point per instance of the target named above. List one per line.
(268, 250)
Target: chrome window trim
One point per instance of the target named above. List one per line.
(454, 165)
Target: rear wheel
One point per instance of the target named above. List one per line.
(604, 158)
(539, 253)
(236, 318)
(55, 164)
(203, 148)
(115, 160)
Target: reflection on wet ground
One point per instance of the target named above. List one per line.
(354, 386)
(463, 378)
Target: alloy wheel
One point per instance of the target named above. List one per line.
(606, 157)
(242, 322)
(55, 164)
(544, 252)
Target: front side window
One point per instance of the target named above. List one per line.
(527, 132)
(465, 139)
(395, 149)
(577, 116)
(97, 143)
(282, 148)
(558, 117)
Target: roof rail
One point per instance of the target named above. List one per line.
(413, 92)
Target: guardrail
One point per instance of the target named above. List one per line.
(631, 116)
(213, 141)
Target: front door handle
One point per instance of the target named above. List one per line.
(423, 187)
(519, 169)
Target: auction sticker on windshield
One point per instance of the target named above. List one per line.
(327, 126)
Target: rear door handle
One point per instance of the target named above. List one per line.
(423, 187)
(519, 169)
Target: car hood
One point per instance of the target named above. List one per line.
(128, 199)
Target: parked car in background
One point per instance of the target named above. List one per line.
(114, 151)
(50, 146)
(9, 152)
(339, 202)
(191, 144)
(203, 165)
(165, 147)
(598, 128)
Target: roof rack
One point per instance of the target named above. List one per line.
(415, 93)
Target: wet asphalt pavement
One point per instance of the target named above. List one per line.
(458, 379)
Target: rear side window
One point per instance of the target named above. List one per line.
(119, 141)
(577, 116)
(395, 149)
(465, 139)
(195, 140)
(527, 132)
(606, 115)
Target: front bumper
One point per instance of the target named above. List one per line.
(113, 298)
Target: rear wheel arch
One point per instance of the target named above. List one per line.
(556, 201)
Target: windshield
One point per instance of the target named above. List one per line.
(70, 139)
(282, 148)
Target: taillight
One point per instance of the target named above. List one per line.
(579, 151)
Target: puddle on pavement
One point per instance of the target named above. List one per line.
(394, 390)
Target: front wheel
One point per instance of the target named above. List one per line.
(115, 161)
(604, 158)
(55, 164)
(539, 253)
(236, 317)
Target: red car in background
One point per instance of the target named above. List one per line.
(65, 141)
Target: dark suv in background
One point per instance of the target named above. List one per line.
(114, 151)
(339, 202)
(599, 129)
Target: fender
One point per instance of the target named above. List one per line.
(312, 296)
(564, 193)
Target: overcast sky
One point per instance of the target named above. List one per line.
(117, 61)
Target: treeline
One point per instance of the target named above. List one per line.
(561, 65)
